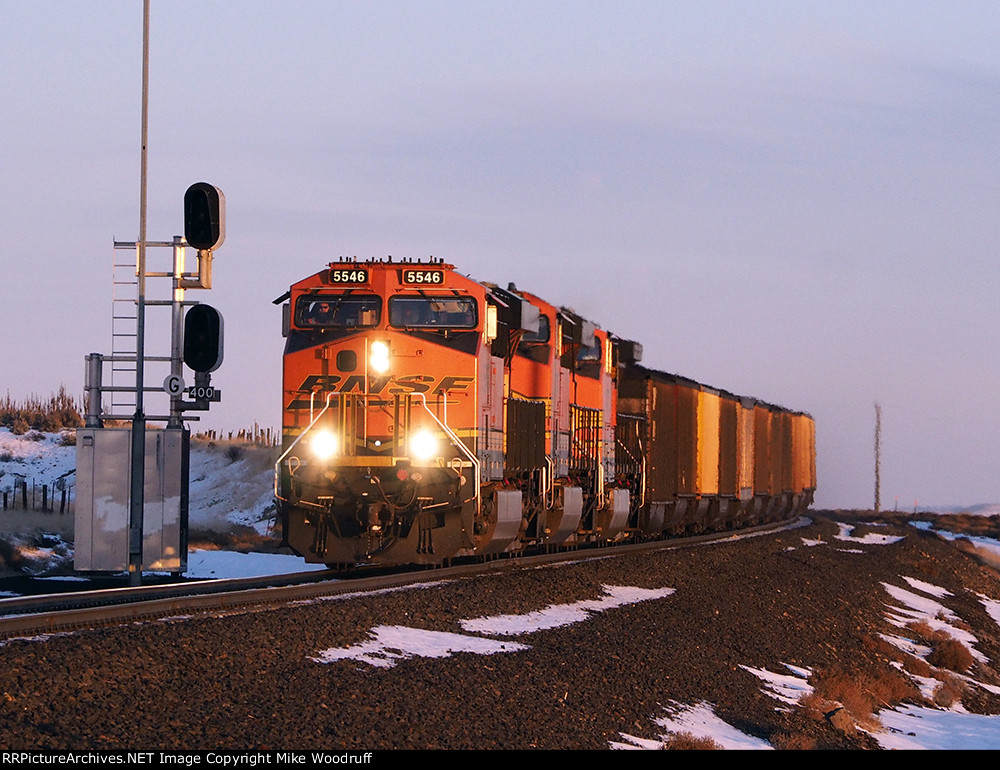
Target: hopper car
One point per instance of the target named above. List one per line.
(427, 415)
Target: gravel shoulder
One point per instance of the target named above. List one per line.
(251, 680)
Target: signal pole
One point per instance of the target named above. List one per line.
(138, 475)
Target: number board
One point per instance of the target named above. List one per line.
(348, 275)
(421, 277)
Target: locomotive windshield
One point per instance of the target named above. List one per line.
(433, 312)
(542, 335)
(338, 310)
(589, 352)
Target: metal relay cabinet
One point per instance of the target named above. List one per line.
(102, 512)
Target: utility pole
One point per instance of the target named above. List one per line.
(878, 456)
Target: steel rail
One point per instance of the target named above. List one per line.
(58, 613)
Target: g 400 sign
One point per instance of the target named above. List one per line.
(204, 393)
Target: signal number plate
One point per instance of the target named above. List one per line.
(348, 275)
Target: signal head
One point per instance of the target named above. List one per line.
(203, 338)
(204, 216)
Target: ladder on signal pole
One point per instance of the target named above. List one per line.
(124, 329)
(125, 301)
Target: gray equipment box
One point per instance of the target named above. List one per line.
(103, 463)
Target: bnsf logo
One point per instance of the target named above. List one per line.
(387, 385)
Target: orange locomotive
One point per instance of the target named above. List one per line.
(427, 415)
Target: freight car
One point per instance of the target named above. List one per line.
(427, 415)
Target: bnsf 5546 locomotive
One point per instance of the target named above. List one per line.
(427, 415)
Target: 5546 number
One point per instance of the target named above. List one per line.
(431, 277)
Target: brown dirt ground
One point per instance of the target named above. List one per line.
(247, 681)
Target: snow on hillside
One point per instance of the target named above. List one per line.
(34, 456)
(231, 483)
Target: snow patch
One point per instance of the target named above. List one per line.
(557, 615)
(871, 538)
(912, 727)
(992, 607)
(787, 688)
(933, 613)
(928, 588)
(232, 564)
(390, 644)
(699, 720)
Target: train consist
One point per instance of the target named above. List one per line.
(428, 416)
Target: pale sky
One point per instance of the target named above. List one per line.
(790, 200)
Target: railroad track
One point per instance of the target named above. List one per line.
(60, 613)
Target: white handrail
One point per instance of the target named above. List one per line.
(298, 438)
(457, 442)
(549, 486)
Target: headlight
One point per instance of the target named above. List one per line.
(324, 445)
(378, 356)
(423, 445)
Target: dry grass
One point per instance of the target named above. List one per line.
(859, 694)
(882, 648)
(952, 655)
(982, 555)
(60, 411)
(954, 622)
(793, 742)
(926, 633)
(949, 692)
(946, 651)
(689, 742)
(916, 666)
(929, 570)
(27, 522)
(815, 707)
